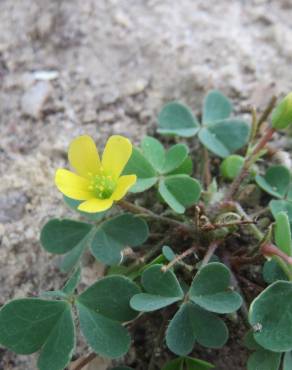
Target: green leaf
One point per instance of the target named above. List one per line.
(180, 192)
(106, 337)
(196, 364)
(31, 324)
(275, 182)
(72, 283)
(250, 342)
(162, 289)
(122, 368)
(113, 235)
(186, 168)
(283, 233)
(273, 272)
(282, 114)
(287, 362)
(168, 253)
(210, 289)
(110, 297)
(277, 206)
(190, 324)
(177, 119)
(73, 204)
(61, 236)
(270, 313)
(264, 360)
(174, 158)
(176, 364)
(154, 152)
(138, 165)
(71, 259)
(224, 137)
(231, 166)
(216, 107)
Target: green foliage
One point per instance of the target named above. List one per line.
(219, 133)
(106, 241)
(272, 272)
(179, 192)
(264, 360)
(287, 361)
(170, 169)
(210, 289)
(231, 166)
(187, 363)
(32, 324)
(113, 235)
(283, 233)
(193, 322)
(224, 137)
(276, 181)
(177, 119)
(273, 320)
(162, 289)
(282, 114)
(61, 236)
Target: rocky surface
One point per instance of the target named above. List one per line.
(107, 66)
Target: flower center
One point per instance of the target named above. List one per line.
(102, 185)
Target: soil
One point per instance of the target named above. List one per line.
(107, 66)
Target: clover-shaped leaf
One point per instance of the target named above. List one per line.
(277, 206)
(190, 324)
(219, 133)
(264, 360)
(177, 119)
(224, 137)
(162, 289)
(210, 289)
(179, 192)
(31, 324)
(283, 233)
(287, 361)
(276, 181)
(174, 158)
(154, 152)
(142, 168)
(272, 272)
(274, 321)
(216, 107)
(113, 235)
(61, 236)
(102, 308)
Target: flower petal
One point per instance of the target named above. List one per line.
(72, 185)
(95, 205)
(83, 156)
(123, 185)
(116, 154)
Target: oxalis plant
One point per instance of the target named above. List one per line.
(185, 247)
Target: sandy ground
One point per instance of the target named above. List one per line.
(112, 64)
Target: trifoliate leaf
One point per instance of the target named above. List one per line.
(276, 181)
(216, 107)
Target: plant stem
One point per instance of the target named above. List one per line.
(145, 212)
(267, 111)
(255, 230)
(247, 163)
(86, 360)
(179, 258)
(210, 251)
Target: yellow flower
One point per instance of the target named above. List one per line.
(97, 182)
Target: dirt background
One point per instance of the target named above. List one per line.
(107, 66)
